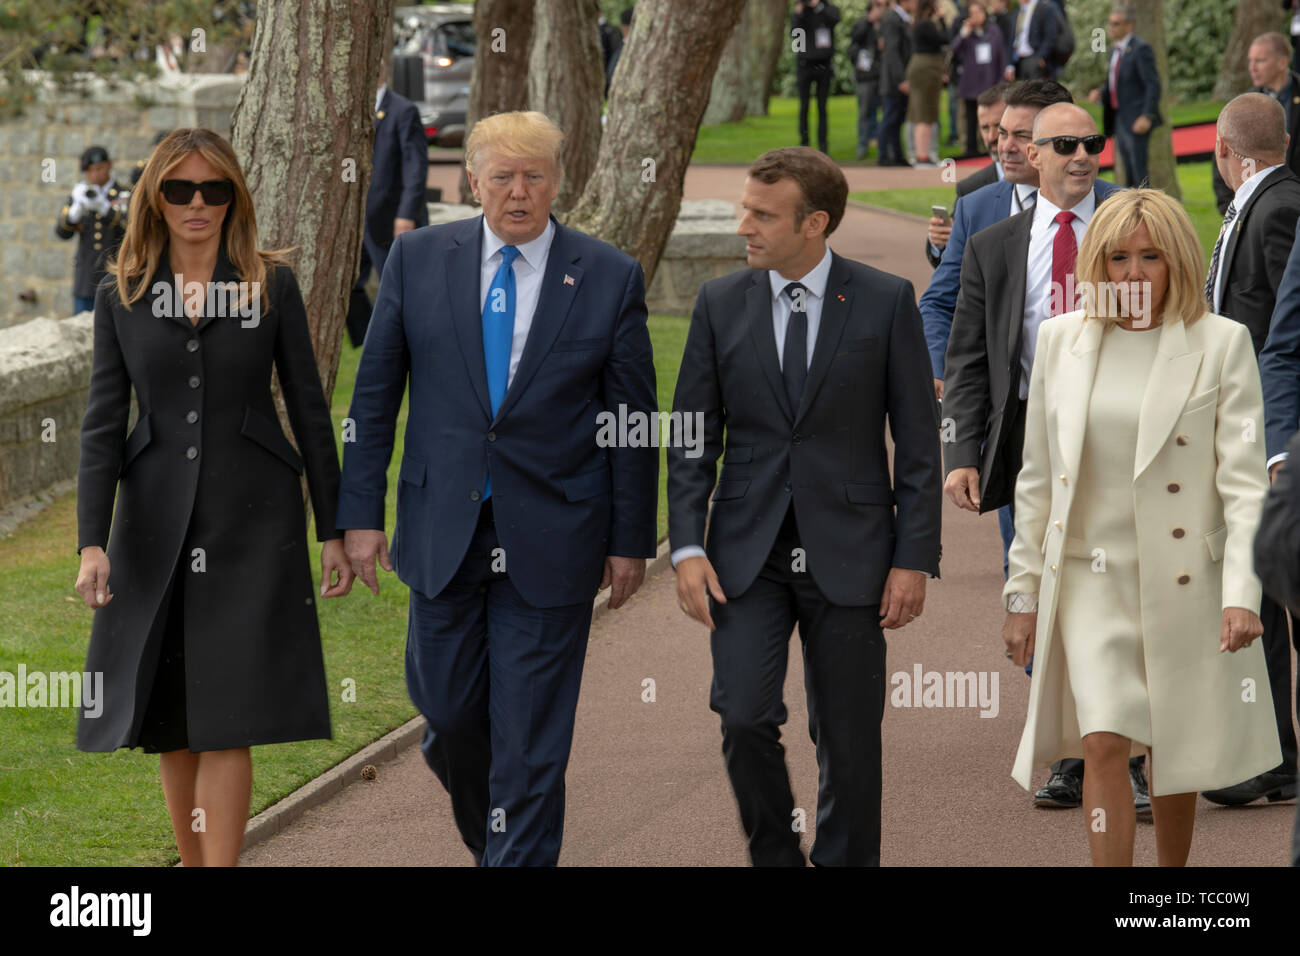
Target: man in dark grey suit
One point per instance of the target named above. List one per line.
(895, 52)
(800, 359)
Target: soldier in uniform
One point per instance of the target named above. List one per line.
(97, 210)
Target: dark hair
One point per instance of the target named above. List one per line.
(1037, 93)
(820, 180)
(625, 17)
(994, 94)
(925, 9)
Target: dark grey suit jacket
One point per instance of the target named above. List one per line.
(828, 456)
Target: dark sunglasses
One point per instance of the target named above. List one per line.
(1066, 145)
(216, 192)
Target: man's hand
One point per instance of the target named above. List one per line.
(362, 548)
(938, 389)
(333, 559)
(92, 579)
(903, 598)
(905, 87)
(963, 488)
(695, 576)
(1009, 74)
(1018, 634)
(402, 225)
(1239, 628)
(623, 576)
(939, 231)
(1142, 125)
(1094, 95)
(1272, 472)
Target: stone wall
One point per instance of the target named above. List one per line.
(40, 153)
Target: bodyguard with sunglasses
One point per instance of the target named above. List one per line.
(205, 612)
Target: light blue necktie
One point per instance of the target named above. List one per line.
(498, 333)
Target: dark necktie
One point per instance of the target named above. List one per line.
(794, 364)
(1212, 277)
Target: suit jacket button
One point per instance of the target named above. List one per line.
(194, 381)
(191, 416)
(492, 436)
(798, 439)
(1173, 487)
(787, 486)
(1181, 439)
(1184, 578)
(191, 453)
(474, 495)
(192, 345)
(1179, 532)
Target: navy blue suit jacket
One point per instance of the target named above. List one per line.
(561, 501)
(1139, 88)
(399, 169)
(984, 207)
(1279, 360)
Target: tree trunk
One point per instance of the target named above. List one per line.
(303, 130)
(744, 76)
(566, 81)
(655, 108)
(1253, 18)
(1161, 166)
(504, 35)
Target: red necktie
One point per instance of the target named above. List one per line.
(1114, 78)
(1064, 251)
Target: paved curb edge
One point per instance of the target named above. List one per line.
(315, 792)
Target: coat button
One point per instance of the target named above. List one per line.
(1053, 569)
(191, 453)
(99, 245)
(1181, 439)
(492, 436)
(1179, 532)
(192, 345)
(1173, 488)
(1058, 525)
(191, 416)
(1184, 578)
(474, 495)
(194, 381)
(1064, 480)
(798, 439)
(99, 235)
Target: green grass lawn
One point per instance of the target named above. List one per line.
(59, 807)
(740, 143)
(1194, 178)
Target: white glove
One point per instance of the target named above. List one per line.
(100, 203)
(78, 207)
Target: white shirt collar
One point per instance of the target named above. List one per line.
(1245, 190)
(1045, 210)
(1024, 191)
(379, 97)
(815, 281)
(997, 164)
(532, 252)
(1123, 44)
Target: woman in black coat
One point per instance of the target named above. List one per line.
(210, 644)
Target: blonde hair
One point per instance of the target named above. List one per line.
(146, 231)
(517, 135)
(1171, 233)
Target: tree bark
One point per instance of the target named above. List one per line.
(303, 129)
(1253, 18)
(566, 81)
(744, 76)
(1161, 166)
(504, 35)
(655, 108)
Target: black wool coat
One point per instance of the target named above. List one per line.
(208, 467)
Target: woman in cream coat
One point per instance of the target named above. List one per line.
(1130, 574)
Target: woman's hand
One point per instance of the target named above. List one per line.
(333, 558)
(92, 579)
(1240, 627)
(1018, 634)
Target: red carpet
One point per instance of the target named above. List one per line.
(1191, 144)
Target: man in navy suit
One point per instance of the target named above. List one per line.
(1037, 26)
(399, 169)
(1130, 95)
(518, 337)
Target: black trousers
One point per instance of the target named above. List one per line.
(806, 76)
(972, 126)
(844, 677)
(1277, 658)
(890, 134)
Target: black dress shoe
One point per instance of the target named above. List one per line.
(1062, 791)
(1141, 796)
(1271, 784)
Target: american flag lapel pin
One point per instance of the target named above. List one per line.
(568, 279)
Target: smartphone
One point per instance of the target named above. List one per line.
(941, 212)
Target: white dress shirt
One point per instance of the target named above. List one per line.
(1239, 199)
(379, 97)
(1023, 49)
(1038, 275)
(1022, 197)
(814, 281)
(1112, 68)
(529, 267)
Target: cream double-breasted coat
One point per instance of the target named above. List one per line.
(1199, 483)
